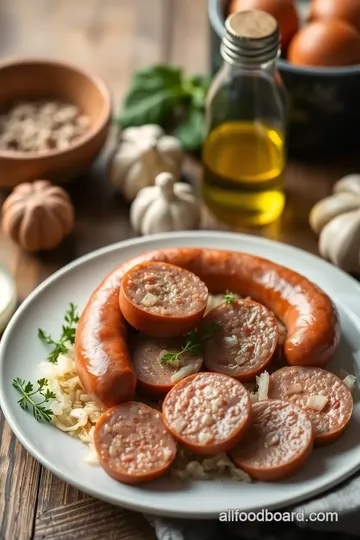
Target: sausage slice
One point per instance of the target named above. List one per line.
(277, 444)
(246, 341)
(207, 412)
(326, 399)
(162, 300)
(154, 377)
(133, 444)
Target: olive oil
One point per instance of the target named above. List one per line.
(243, 173)
(244, 151)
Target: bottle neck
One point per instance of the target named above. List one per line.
(269, 67)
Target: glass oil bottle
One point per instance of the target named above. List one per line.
(244, 152)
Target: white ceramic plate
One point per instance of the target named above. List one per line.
(21, 351)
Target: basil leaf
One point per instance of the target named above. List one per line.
(161, 95)
(158, 77)
(192, 130)
(142, 108)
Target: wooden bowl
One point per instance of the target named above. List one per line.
(35, 79)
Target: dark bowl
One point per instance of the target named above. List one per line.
(324, 102)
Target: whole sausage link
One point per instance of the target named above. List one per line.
(313, 329)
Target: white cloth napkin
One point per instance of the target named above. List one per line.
(345, 501)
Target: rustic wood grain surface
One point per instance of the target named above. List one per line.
(111, 37)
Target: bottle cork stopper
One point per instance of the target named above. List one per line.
(253, 24)
(251, 38)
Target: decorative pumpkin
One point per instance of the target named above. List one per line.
(167, 206)
(37, 215)
(144, 152)
(337, 220)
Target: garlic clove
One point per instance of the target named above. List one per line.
(139, 207)
(121, 163)
(186, 215)
(340, 241)
(348, 184)
(146, 132)
(330, 207)
(157, 218)
(171, 147)
(136, 179)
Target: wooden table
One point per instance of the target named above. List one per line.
(111, 37)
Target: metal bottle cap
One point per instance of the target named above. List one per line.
(251, 38)
(8, 297)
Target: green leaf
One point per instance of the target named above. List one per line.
(154, 108)
(200, 79)
(161, 94)
(45, 338)
(153, 97)
(229, 297)
(191, 131)
(27, 401)
(158, 76)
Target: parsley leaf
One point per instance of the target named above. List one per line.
(27, 402)
(229, 297)
(67, 335)
(193, 343)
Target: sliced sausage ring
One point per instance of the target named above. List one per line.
(133, 444)
(278, 442)
(162, 300)
(208, 412)
(326, 399)
(154, 377)
(246, 341)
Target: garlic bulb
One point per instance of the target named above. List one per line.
(167, 206)
(348, 184)
(330, 207)
(337, 220)
(144, 152)
(340, 241)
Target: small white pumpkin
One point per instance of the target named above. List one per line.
(167, 206)
(144, 152)
(337, 221)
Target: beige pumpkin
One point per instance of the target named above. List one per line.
(37, 215)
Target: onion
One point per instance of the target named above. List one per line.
(263, 385)
(149, 300)
(64, 365)
(186, 370)
(231, 340)
(316, 403)
(293, 389)
(349, 381)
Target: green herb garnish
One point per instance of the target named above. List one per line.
(67, 335)
(229, 297)
(164, 95)
(193, 343)
(27, 401)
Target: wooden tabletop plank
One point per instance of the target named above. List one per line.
(65, 513)
(19, 481)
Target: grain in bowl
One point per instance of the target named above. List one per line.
(41, 126)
